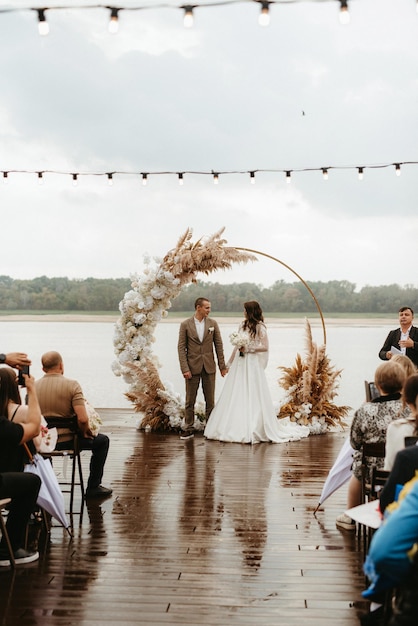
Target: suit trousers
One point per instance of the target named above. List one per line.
(23, 489)
(192, 387)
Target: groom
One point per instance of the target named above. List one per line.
(197, 337)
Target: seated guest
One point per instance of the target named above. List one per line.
(369, 425)
(22, 488)
(11, 407)
(404, 426)
(406, 460)
(62, 397)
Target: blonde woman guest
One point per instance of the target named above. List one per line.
(404, 426)
(369, 425)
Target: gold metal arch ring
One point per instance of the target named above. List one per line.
(268, 256)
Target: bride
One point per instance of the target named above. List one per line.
(244, 412)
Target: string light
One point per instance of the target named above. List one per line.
(5, 177)
(188, 19)
(344, 14)
(264, 17)
(40, 178)
(114, 21)
(188, 9)
(215, 175)
(43, 26)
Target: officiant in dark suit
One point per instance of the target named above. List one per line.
(198, 337)
(404, 338)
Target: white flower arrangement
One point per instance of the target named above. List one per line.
(95, 421)
(144, 306)
(240, 339)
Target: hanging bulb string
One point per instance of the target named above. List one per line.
(188, 10)
(214, 174)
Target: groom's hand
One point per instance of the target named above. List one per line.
(187, 375)
(224, 372)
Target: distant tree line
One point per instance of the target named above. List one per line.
(104, 294)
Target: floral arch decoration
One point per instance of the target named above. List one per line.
(148, 301)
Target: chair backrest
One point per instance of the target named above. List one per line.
(376, 449)
(67, 428)
(410, 441)
(69, 423)
(371, 391)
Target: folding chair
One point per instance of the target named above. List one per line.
(73, 452)
(3, 503)
(369, 451)
(377, 481)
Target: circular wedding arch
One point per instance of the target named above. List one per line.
(147, 303)
(268, 256)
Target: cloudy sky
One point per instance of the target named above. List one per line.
(226, 95)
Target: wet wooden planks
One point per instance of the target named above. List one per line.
(198, 532)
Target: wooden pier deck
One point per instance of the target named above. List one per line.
(197, 533)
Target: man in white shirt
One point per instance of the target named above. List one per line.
(198, 336)
(404, 339)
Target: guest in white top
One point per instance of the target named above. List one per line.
(400, 428)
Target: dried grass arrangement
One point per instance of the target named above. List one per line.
(311, 386)
(141, 310)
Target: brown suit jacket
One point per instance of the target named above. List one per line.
(194, 356)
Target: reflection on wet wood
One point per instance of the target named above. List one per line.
(198, 532)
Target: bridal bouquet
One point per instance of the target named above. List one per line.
(241, 340)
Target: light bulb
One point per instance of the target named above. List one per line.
(344, 14)
(325, 173)
(188, 16)
(144, 179)
(75, 180)
(114, 21)
(264, 17)
(252, 178)
(40, 178)
(288, 176)
(181, 181)
(43, 26)
(110, 179)
(5, 177)
(398, 169)
(215, 178)
(360, 173)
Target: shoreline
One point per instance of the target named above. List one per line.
(330, 321)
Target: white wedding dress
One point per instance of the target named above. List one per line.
(244, 412)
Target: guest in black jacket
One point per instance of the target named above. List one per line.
(404, 338)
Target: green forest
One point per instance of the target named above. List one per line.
(45, 294)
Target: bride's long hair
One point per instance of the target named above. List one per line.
(253, 315)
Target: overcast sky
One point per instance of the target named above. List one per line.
(225, 95)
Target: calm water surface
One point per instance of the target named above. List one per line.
(87, 350)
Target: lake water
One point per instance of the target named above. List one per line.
(87, 350)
